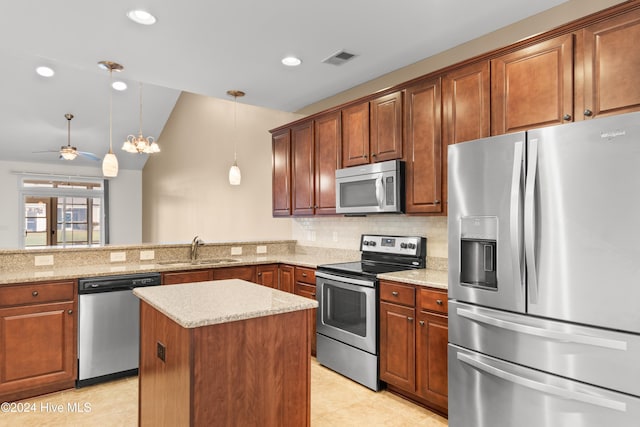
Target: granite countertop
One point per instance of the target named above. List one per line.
(193, 305)
(423, 277)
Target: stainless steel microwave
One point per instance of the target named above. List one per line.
(373, 188)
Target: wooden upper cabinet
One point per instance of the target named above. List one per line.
(466, 102)
(611, 67)
(328, 156)
(386, 127)
(533, 87)
(355, 135)
(302, 169)
(281, 173)
(423, 147)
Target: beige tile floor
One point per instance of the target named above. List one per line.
(335, 401)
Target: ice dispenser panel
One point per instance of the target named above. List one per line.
(478, 252)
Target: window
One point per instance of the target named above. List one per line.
(63, 212)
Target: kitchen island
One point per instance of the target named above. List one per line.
(225, 352)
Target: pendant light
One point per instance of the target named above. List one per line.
(140, 144)
(110, 161)
(234, 172)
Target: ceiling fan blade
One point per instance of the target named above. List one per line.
(88, 155)
(45, 151)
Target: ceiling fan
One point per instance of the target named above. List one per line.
(69, 152)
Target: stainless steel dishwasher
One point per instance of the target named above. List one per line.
(109, 326)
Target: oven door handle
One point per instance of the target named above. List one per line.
(349, 280)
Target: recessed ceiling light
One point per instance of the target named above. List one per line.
(119, 85)
(45, 71)
(291, 61)
(141, 17)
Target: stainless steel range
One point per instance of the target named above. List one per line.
(347, 293)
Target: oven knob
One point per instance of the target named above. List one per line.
(403, 245)
(412, 245)
(372, 243)
(365, 242)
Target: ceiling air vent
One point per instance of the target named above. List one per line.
(339, 58)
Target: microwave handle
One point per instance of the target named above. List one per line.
(380, 192)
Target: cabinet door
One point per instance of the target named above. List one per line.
(386, 127)
(247, 273)
(281, 169)
(431, 358)
(611, 66)
(286, 278)
(397, 345)
(37, 348)
(267, 275)
(176, 277)
(302, 169)
(328, 157)
(355, 135)
(423, 147)
(533, 87)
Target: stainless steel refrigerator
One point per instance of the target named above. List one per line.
(544, 277)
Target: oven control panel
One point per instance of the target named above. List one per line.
(397, 245)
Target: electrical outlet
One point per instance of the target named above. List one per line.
(261, 249)
(161, 351)
(118, 256)
(41, 260)
(236, 250)
(147, 255)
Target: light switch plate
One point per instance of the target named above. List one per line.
(118, 256)
(41, 260)
(236, 250)
(261, 249)
(147, 255)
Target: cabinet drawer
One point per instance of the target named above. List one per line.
(305, 290)
(174, 278)
(37, 293)
(433, 300)
(305, 275)
(397, 293)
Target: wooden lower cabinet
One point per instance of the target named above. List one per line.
(267, 275)
(413, 343)
(305, 285)
(189, 276)
(286, 277)
(38, 339)
(245, 272)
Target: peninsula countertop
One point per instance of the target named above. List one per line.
(193, 305)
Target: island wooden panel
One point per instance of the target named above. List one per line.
(249, 372)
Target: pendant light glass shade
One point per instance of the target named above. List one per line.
(110, 165)
(235, 177)
(234, 174)
(110, 161)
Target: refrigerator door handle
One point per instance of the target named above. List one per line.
(529, 221)
(544, 333)
(514, 214)
(542, 387)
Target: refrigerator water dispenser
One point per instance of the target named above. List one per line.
(478, 252)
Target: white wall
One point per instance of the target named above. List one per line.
(125, 199)
(186, 188)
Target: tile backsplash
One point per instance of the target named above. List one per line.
(344, 232)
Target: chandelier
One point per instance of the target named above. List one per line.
(140, 144)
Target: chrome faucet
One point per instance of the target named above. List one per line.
(194, 247)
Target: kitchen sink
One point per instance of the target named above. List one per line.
(210, 261)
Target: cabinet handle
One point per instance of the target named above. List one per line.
(304, 274)
(439, 301)
(34, 293)
(70, 311)
(365, 156)
(566, 117)
(313, 295)
(394, 293)
(436, 202)
(588, 112)
(372, 154)
(259, 274)
(422, 323)
(410, 319)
